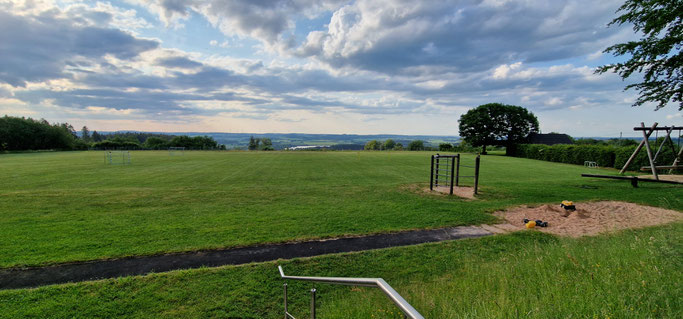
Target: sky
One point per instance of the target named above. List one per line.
(326, 66)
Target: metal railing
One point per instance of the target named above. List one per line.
(401, 303)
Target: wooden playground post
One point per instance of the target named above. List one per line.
(678, 159)
(666, 138)
(431, 176)
(476, 173)
(457, 171)
(452, 170)
(640, 146)
(649, 151)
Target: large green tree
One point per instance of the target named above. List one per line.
(497, 124)
(416, 145)
(389, 144)
(253, 143)
(371, 145)
(657, 54)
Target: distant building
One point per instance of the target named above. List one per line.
(549, 139)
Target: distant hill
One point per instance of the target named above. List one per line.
(335, 141)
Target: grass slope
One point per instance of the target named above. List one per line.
(631, 274)
(61, 207)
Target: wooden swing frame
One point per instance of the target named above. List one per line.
(647, 132)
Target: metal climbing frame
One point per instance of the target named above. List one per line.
(442, 172)
(401, 303)
(445, 171)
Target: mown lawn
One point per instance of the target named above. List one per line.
(631, 274)
(70, 206)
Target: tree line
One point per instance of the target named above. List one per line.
(19, 133)
(22, 134)
(391, 145)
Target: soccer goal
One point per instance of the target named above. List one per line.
(173, 151)
(117, 157)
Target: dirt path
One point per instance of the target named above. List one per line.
(74, 272)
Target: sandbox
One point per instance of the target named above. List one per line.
(590, 218)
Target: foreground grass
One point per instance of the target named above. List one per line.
(61, 207)
(631, 274)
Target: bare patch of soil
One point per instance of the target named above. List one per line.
(460, 191)
(590, 218)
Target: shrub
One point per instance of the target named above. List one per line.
(416, 145)
(570, 154)
(371, 145)
(445, 147)
(665, 157)
(603, 155)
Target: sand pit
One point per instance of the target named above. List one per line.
(675, 178)
(590, 218)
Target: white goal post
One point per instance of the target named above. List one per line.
(117, 157)
(172, 151)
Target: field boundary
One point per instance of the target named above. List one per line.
(14, 278)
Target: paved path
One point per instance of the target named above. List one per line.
(100, 269)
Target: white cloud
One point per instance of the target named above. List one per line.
(400, 63)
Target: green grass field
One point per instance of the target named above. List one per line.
(70, 206)
(62, 207)
(632, 274)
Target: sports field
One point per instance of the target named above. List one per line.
(71, 206)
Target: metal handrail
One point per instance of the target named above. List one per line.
(402, 304)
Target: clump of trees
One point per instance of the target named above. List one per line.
(372, 145)
(21, 134)
(416, 145)
(131, 141)
(260, 144)
(497, 124)
(390, 144)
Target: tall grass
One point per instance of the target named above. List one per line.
(630, 274)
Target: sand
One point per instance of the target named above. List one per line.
(675, 178)
(590, 218)
(460, 191)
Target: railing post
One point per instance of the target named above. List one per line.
(286, 310)
(431, 176)
(476, 173)
(313, 303)
(457, 171)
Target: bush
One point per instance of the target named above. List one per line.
(416, 146)
(445, 147)
(389, 144)
(665, 157)
(372, 145)
(465, 147)
(603, 155)
(570, 154)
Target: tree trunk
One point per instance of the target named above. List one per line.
(483, 149)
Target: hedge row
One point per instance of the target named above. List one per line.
(604, 156)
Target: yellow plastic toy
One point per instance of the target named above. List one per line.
(531, 224)
(568, 205)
